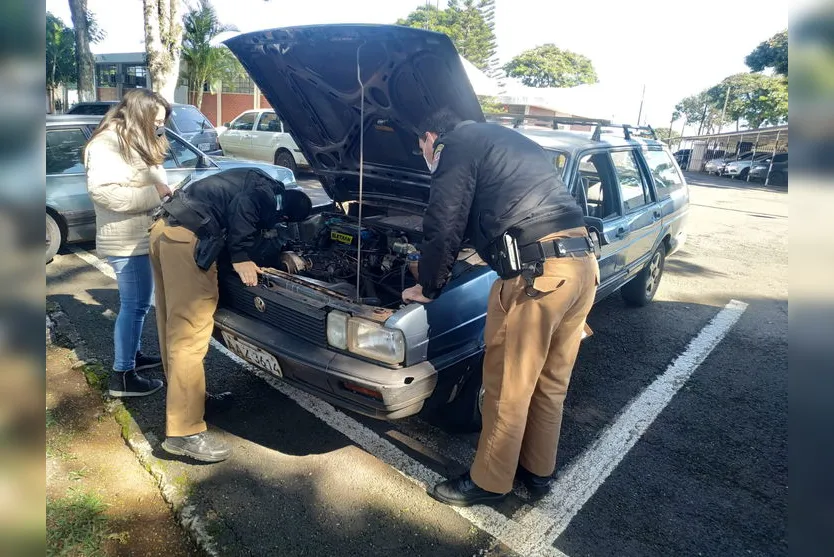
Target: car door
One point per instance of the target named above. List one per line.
(66, 180)
(642, 218)
(183, 160)
(670, 191)
(265, 138)
(236, 139)
(595, 173)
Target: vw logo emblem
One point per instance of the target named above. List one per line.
(260, 305)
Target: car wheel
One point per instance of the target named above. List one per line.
(54, 237)
(778, 179)
(463, 415)
(641, 289)
(743, 174)
(284, 158)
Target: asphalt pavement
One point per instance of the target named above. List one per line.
(702, 472)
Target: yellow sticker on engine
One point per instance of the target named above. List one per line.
(341, 237)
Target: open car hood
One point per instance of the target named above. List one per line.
(311, 77)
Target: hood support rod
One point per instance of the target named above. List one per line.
(361, 170)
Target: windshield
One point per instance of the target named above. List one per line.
(189, 119)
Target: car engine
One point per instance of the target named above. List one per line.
(325, 249)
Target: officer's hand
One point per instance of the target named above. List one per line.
(415, 294)
(248, 272)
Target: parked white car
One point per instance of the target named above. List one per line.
(260, 135)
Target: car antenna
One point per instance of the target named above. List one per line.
(361, 170)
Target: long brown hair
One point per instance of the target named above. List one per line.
(133, 121)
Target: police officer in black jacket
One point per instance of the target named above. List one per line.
(221, 213)
(498, 190)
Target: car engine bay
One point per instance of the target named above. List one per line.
(324, 250)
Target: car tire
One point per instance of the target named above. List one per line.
(777, 179)
(463, 414)
(640, 290)
(54, 237)
(284, 158)
(743, 174)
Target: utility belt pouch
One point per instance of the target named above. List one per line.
(504, 257)
(207, 251)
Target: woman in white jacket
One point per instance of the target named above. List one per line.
(126, 182)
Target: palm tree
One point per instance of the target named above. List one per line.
(206, 63)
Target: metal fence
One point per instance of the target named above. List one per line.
(694, 152)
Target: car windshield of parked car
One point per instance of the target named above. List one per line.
(95, 109)
(188, 119)
(180, 155)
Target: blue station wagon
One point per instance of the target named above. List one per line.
(327, 315)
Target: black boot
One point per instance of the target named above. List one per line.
(538, 486)
(199, 447)
(129, 383)
(147, 362)
(463, 492)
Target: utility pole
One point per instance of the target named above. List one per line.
(724, 110)
(642, 98)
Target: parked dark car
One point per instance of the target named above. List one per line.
(70, 216)
(349, 339)
(778, 174)
(682, 156)
(185, 120)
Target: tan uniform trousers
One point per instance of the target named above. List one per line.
(531, 346)
(186, 298)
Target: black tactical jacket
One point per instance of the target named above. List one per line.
(487, 180)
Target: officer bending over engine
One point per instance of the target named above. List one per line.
(495, 187)
(222, 213)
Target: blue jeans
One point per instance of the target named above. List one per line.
(135, 279)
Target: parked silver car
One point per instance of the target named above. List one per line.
(260, 135)
(70, 216)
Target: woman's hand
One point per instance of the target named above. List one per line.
(163, 190)
(248, 272)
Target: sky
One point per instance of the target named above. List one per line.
(673, 48)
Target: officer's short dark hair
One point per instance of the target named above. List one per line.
(439, 122)
(296, 205)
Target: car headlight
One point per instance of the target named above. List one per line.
(365, 338)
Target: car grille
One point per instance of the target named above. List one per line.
(281, 312)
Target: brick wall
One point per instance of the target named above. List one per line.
(232, 104)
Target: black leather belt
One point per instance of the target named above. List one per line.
(560, 247)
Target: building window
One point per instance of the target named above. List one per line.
(239, 85)
(136, 76)
(106, 75)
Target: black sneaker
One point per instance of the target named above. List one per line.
(147, 362)
(129, 383)
(463, 492)
(199, 447)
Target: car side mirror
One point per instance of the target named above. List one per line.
(227, 124)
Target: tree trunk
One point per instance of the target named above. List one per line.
(163, 44)
(83, 57)
(198, 102)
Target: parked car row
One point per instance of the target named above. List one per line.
(188, 122)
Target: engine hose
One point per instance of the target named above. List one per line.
(402, 277)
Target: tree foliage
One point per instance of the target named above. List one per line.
(754, 98)
(664, 134)
(550, 66)
(206, 64)
(772, 53)
(60, 53)
(469, 23)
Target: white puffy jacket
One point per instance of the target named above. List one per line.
(124, 195)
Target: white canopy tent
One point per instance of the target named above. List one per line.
(482, 84)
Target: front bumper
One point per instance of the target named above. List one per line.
(322, 372)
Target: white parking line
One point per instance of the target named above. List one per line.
(575, 486)
(534, 532)
(487, 519)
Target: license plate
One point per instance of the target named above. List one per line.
(204, 146)
(253, 354)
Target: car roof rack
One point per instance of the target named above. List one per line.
(554, 121)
